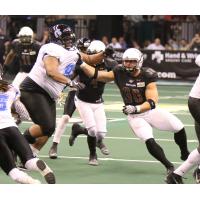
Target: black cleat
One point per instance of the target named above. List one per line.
(75, 132)
(46, 172)
(173, 178)
(196, 175)
(102, 147)
(53, 152)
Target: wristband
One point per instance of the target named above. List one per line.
(151, 103)
(138, 109)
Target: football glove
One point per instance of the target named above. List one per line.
(77, 85)
(109, 51)
(61, 99)
(129, 109)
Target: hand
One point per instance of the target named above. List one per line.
(109, 51)
(61, 99)
(77, 85)
(129, 109)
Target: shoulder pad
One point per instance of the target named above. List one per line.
(149, 72)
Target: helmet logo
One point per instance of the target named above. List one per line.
(57, 33)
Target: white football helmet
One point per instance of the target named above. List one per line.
(133, 54)
(96, 46)
(25, 35)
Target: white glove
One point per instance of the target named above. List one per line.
(77, 85)
(129, 109)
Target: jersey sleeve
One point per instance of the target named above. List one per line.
(51, 50)
(150, 75)
(117, 71)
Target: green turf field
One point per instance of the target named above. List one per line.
(128, 162)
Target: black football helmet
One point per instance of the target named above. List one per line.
(62, 35)
(82, 44)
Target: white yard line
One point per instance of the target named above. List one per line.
(109, 159)
(134, 138)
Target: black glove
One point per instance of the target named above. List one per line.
(79, 61)
(76, 84)
(109, 51)
(83, 43)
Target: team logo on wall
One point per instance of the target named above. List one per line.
(158, 56)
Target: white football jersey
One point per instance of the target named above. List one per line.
(6, 100)
(195, 91)
(67, 61)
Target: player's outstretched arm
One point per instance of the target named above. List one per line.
(92, 72)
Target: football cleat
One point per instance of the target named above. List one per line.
(93, 160)
(170, 170)
(173, 178)
(26, 179)
(196, 175)
(30, 180)
(75, 132)
(46, 172)
(102, 147)
(53, 152)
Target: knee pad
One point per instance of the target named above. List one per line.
(48, 130)
(92, 131)
(29, 137)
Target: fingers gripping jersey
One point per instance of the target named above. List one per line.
(132, 89)
(6, 100)
(67, 60)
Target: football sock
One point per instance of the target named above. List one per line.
(193, 159)
(92, 144)
(181, 140)
(157, 152)
(60, 128)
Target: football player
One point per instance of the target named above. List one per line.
(69, 105)
(50, 74)
(138, 89)
(89, 103)
(194, 157)
(22, 56)
(24, 51)
(11, 140)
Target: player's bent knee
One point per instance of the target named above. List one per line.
(29, 137)
(92, 131)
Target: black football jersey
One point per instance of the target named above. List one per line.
(94, 89)
(132, 89)
(26, 55)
